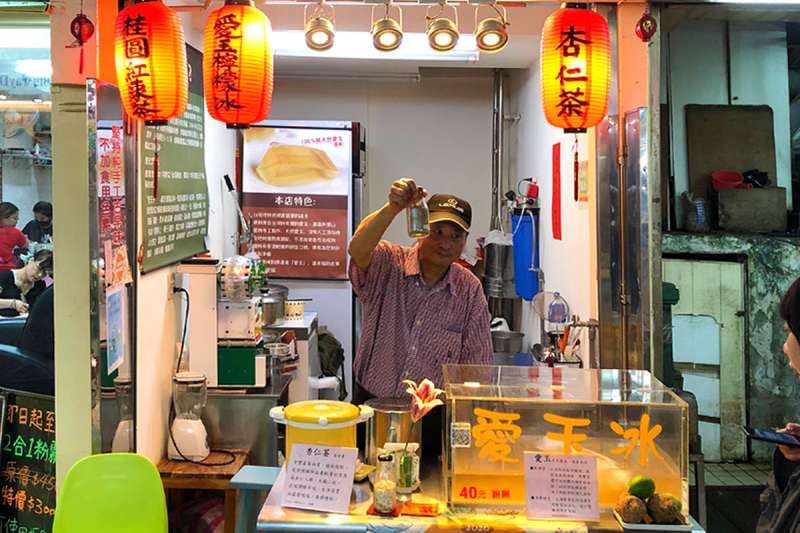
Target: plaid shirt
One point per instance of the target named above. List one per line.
(408, 331)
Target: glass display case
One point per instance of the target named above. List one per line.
(628, 420)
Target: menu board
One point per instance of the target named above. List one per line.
(111, 186)
(296, 190)
(27, 463)
(175, 206)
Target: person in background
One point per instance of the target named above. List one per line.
(37, 334)
(40, 229)
(420, 309)
(780, 501)
(20, 287)
(10, 237)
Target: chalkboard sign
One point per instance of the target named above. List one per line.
(27, 463)
(176, 204)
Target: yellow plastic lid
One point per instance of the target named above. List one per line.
(322, 412)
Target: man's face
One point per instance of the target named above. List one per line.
(443, 245)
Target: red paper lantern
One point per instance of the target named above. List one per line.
(150, 56)
(575, 69)
(237, 64)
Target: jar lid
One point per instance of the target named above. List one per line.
(189, 377)
(322, 412)
(385, 458)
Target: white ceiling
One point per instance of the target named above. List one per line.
(526, 22)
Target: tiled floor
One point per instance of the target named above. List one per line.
(734, 474)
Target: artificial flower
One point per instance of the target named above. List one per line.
(424, 397)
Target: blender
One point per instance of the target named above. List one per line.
(188, 438)
(123, 436)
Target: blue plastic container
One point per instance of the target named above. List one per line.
(526, 241)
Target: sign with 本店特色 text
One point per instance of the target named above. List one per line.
(319, 478)
(561, 486)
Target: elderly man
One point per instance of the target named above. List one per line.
(420, 309)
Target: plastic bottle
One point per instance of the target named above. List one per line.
(558, 310)
(417, 219)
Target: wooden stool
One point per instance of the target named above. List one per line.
(192, 476)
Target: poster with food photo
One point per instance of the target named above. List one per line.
(296, 185)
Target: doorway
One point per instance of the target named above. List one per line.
(709, 349)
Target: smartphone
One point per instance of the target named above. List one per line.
(768, 435)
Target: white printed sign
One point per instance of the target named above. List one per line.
(319, 478)
(561, 486)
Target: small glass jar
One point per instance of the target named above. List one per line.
(384, 487)
(417, 216)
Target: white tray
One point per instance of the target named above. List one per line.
(653, 527)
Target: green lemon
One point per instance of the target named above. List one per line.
(675, 499)
(642, 487)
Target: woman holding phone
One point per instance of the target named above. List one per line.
(780, 502)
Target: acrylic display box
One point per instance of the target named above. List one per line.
(629, 420)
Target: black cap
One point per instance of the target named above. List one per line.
(446, 207)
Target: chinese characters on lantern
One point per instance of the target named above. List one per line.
(572, 76)
(225, 62)
(137, 66)
(319, 478)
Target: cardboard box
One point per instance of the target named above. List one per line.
(753, 210)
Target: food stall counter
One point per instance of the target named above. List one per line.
(276, 519)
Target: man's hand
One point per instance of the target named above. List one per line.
(792, 454)
(404, 192)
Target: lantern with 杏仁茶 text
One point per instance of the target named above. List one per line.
(150, 56)
(237, 64)
(575, 69)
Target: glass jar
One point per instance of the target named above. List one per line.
(417, 219)
(384, 487)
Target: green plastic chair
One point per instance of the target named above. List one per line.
(112, 493)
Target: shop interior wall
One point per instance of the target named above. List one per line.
(159, 315)
(568, 264)
(24, 184)
(739, 63)
(437, 130)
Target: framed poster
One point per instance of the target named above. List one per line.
(296, 186)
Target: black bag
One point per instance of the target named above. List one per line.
(331, 360)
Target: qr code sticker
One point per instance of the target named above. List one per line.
(460, 435)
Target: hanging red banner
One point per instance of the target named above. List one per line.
(556, 203)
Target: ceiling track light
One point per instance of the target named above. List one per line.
(387, 33)
(491, 33)
(442, 32)
(320, 28)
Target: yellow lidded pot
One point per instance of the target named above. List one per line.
(320, 422)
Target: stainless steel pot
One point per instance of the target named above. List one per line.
(507, 341)
(390, 423)
(272, 304)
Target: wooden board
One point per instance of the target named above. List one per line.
(728, 137)
(753, 210)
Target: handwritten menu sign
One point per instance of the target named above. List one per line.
(176, 204)
(28, 464)
(111, 189)
(561, 486)
(296, 190)
(319, 478)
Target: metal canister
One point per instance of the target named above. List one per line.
(391, 422)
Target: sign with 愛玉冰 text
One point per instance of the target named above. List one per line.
(319, 478)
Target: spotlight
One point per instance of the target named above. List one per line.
(442, 32)
(320, 30)
(387, 33)
(491, 34)
(3, 97)
(37, 100)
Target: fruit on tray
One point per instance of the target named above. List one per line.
(642, 487)
(664, 508)
(643, 504)
(631, 509)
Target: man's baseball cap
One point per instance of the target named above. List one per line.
(446, 207)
